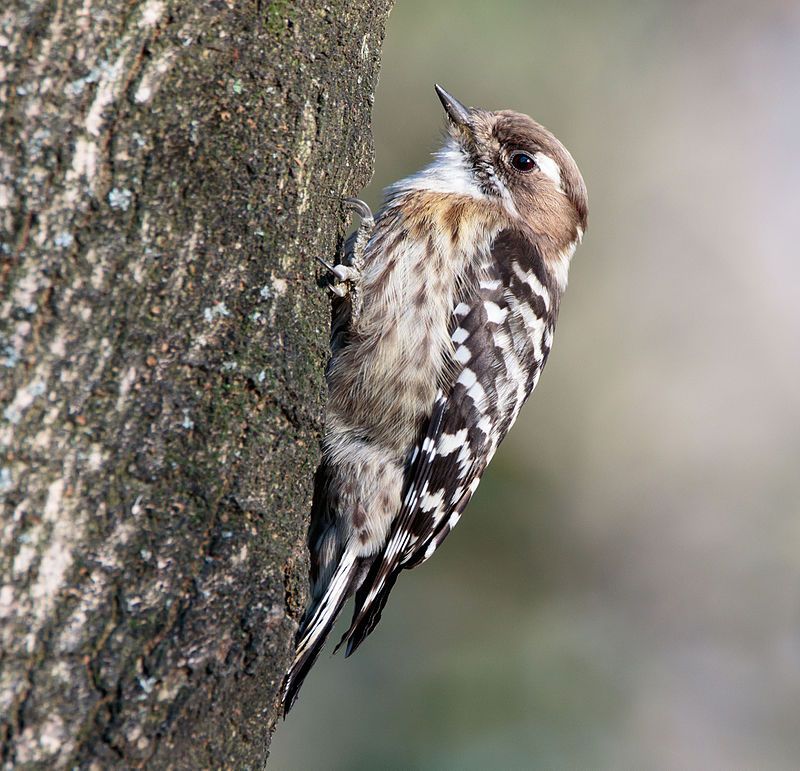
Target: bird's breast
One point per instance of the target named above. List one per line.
(415, 268)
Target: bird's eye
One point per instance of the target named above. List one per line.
(523, 162)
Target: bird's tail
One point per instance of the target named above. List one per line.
(316, 626)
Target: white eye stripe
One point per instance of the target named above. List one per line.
(548, 167)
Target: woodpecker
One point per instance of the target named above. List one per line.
(448, 303)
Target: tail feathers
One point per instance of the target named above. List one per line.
(316, 627)
(370, 602)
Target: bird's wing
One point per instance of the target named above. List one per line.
(501, 334)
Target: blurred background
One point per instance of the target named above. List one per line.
(624, 590)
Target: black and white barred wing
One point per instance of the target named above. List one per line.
(501, 336)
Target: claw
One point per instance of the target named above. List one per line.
(342, 275)
(330, 268)
(360, 208)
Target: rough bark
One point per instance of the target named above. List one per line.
(169, 171)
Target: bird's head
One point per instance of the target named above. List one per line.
(510, 157)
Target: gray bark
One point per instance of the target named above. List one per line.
(169, 170)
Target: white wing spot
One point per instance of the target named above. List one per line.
(485, 425)
(467, 378)
(462, 309)
(477, 394)
(460, 335)
(430, 502)
(451, 442)
(462, 354)
(464, 459)
(495, 313)
(536, 286)
(533, 323)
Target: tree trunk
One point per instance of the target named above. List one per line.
(169, 171)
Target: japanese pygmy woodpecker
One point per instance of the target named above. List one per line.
(448, 302)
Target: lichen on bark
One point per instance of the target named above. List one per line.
(168, 171)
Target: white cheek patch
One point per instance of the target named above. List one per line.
(548, 167)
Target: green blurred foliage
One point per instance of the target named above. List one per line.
(624, 591)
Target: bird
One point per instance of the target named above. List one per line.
(444, 312)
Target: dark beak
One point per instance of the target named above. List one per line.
(454, 109)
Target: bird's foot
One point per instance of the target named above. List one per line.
(344, 278)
